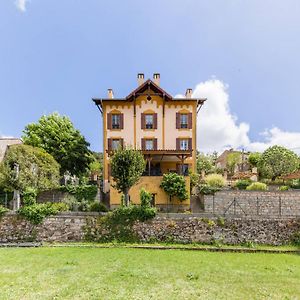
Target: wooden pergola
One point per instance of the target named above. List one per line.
(159, 155)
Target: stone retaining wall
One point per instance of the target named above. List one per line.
(178, 228)
(251, 203)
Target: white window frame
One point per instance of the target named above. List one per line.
(149, 142)
(114, 118)
(184, 117)
(149, 125)
(184, 144)
(115, 144)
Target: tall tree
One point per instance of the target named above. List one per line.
(127, 166)
(25, 166)
(254, 158)
(57, 135)
(204, 163)
(277, 161)
(232, 160)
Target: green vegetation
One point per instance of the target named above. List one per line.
(215, 180)
(3, 210)
(145, 198)
(277, 161)
(254, 158)
(204, 163)
(57, 136)
(29, 196)
(242, 184)
(37, 169)
(232, 160)
(174, 185)
(117, 225)
(284, 188)
(205, 189)
(127, 166)
(120, 273)
(36, 213)
(257, 186)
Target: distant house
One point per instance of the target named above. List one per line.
(243, 164)
(5, 143)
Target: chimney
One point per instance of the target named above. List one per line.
(110, 93)
(140, 78)
(188, 93)
(156, 78)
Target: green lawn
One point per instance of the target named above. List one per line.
(120, 273)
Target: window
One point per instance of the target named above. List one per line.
(149, 121)
(149, 144)
(184, 144)
(116, 121)
(183, 120)
(115, 144)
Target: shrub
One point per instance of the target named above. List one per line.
(81, 192)
(145, 198)
(205, 189)
(174, 185)
(29, 196)
(295, 238)
(215, 180)
(257, 186)
(283, 188)
(3, 210)
(36, 213)
(97, 207)
(242, 184)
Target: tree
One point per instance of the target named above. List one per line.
(35, 168)
(277, 161)
(254, 158)
(127, 166)
(174, 185)
(57, 136)
(232, 160)
(204, 163)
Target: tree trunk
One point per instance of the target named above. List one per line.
(126, 197)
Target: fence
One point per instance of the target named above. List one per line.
(244, 203)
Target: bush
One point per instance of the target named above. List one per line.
(174, 185)
(81, 192)
(36, 213)
(29, 196)
(215, 180)
(205, 189)
(3, 210)
(145, 198)
(283, 188)
(97, 207)
(242, 184)
(257, 186)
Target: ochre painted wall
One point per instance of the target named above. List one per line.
(152, 185)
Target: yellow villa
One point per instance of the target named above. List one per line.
(162, 127)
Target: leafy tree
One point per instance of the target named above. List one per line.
(57, 136)
(174, 185)
(277, 161)
(204, 163)
(254, 158)
(36, 169)
(127, 166)
(232, 160)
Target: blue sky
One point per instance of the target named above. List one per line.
(57, 55)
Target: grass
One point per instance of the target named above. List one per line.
(121, 273)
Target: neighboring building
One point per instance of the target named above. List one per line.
(5, 143)
(163, 127)
(243, 164)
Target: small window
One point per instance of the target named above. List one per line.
(183, 121)
(184, 144)
(116, 121)
(149, 121)
(149, 144)
(115, 144)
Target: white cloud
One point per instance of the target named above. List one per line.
(219, 129)
(21, 5)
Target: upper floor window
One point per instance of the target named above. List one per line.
(149, 121)
(115, 144)
(149, 144)
(183, 120)
(116, 121)
(184, 144)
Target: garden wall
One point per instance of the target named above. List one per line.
(269, 204)
(182, 228)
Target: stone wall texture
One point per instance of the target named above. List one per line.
(182, 228)
(269, 204)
